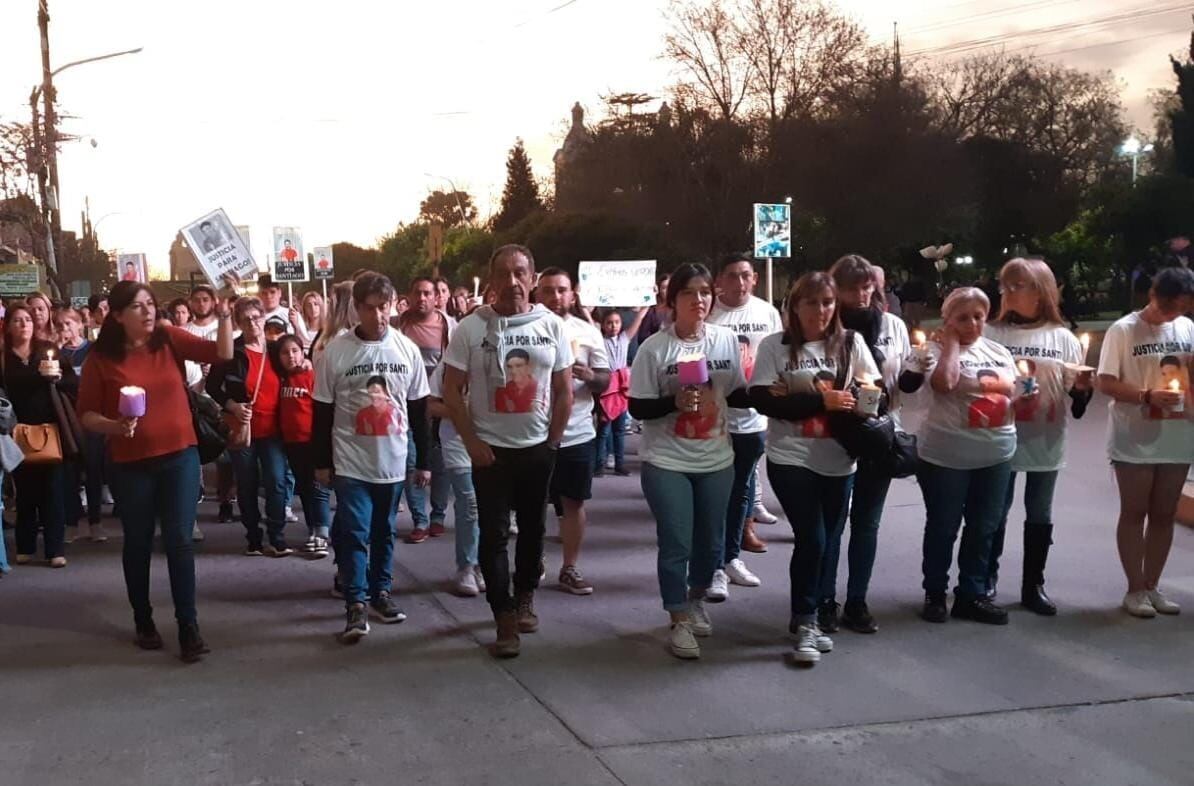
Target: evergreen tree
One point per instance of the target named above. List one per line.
(1182, 117)
(520, 197)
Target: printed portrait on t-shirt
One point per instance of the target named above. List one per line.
(705, 423)
(381, 417)
(817, 427)
(1028, 406)
(1173, 377)
(990, 409)
(521, 390)
(746, 357)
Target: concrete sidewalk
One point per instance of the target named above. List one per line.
(1091, 696)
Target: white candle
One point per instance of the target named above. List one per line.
(1084, 340)
(476, 286)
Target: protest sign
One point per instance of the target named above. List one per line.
(243, 231)
(324, 266)
(219, 249)
(19, 280)
(773, 230)
(132, 267)
(290, 263)
(628, 284)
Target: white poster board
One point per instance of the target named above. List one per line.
(132, 267)
(324, 266)
(290, 263)
(219, 248)
(773, 230)
(620, 284)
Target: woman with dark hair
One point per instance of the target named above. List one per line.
(680, 384)
(29, 369)
(1030, 325)
(155, 464)
(801, 376)
(861, 309)
(966, 445)
(250, 388)
(1144, 369)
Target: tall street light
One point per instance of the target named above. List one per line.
(1134, 148)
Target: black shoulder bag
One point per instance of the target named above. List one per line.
(211, 432)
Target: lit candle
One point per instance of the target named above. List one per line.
(476, 286)
(1084, 340)
(1022, 367)
(49, 366)
(1176, 387)
(692, 370)
(918, 338)
(132, 402)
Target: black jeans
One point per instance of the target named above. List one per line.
(40, 500)
(517, 481)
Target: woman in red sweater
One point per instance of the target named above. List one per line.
(155, 464)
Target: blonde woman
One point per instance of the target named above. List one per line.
(341, 318)
(309, 318)
(1031, 328)
(42, 311)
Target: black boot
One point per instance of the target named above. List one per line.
(190, 644)
(1037, 539)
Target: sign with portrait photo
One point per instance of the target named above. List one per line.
(324, 266)
(290, 263)
(773, 230)
(219, 249)
(132, 267)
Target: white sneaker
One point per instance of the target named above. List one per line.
(1162, 604)
(1138, 604)
(106, 497)
(763, 516)
(290, 517)
(609, 462)
(466, 583)
(479, 577)
(197, 534)
(83, 499)
(719, 590)
(739, 574)
(806, 650)
(682, 643)
(98, 535)
(698, 618)
(824, 643)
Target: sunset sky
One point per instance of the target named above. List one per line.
(329, 116)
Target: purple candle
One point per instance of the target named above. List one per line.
(132, 402)
(692, 370)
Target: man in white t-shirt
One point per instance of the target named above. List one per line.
(370, 390)
(513, 363)
(572, 480)
(751, 319)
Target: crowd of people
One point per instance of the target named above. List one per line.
(496, 406)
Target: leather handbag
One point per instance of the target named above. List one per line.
(211, 433)
(240, 434)
(39, 442)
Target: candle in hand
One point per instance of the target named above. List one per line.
(1084, 340)
(49, 366)
(132, 402)
(1026, 381)
(918, 338)
(1175, 386)
(476, 286)
(692, 370)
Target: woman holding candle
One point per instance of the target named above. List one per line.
(681, 381)
(1144, 368)
(1052, 380)
(28, 368)
(966, 444)
(136, 366)
(860, 307)
(249, 389)
(800, 377)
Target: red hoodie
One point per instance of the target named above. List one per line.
(296, 409)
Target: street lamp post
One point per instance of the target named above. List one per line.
(1134, 148)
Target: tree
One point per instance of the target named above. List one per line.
(350, 258)
(520, 197)
(704, 41)
(450, 208)
(1181, 117)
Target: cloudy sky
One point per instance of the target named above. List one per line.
(339, 117)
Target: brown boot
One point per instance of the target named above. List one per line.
(528, 622)
(507, 644)
(750, 541)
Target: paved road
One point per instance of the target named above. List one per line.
(1091, 696)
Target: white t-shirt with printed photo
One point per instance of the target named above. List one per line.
(452, 448)
(751, 322)
(1149, 357)
(973, 426)
(808, 443)
(510, 362)
(688, 441)
(370, 383)
(588, 347)
(1041, 419)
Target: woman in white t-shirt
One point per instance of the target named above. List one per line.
(861, 309)
(800, 378)
(966, 444)
(1031, 328)
(1144, 368)
(687, 465)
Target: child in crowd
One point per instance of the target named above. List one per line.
(612, 412)
(296, 415)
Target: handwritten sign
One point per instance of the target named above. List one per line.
(628, 284)
(219, 248)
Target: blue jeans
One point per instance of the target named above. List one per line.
(460, 481)
(866, 509)
(748, 449)
(162, 489)
(816, 507)
(261, 465)
(441, 488)
(314, 496)
(1038, 511)
(364, 533)
(952, 496)
(416, 498)
(689, 510)
(611, 438)
(4, 567)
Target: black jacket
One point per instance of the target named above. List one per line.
(227, 380)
